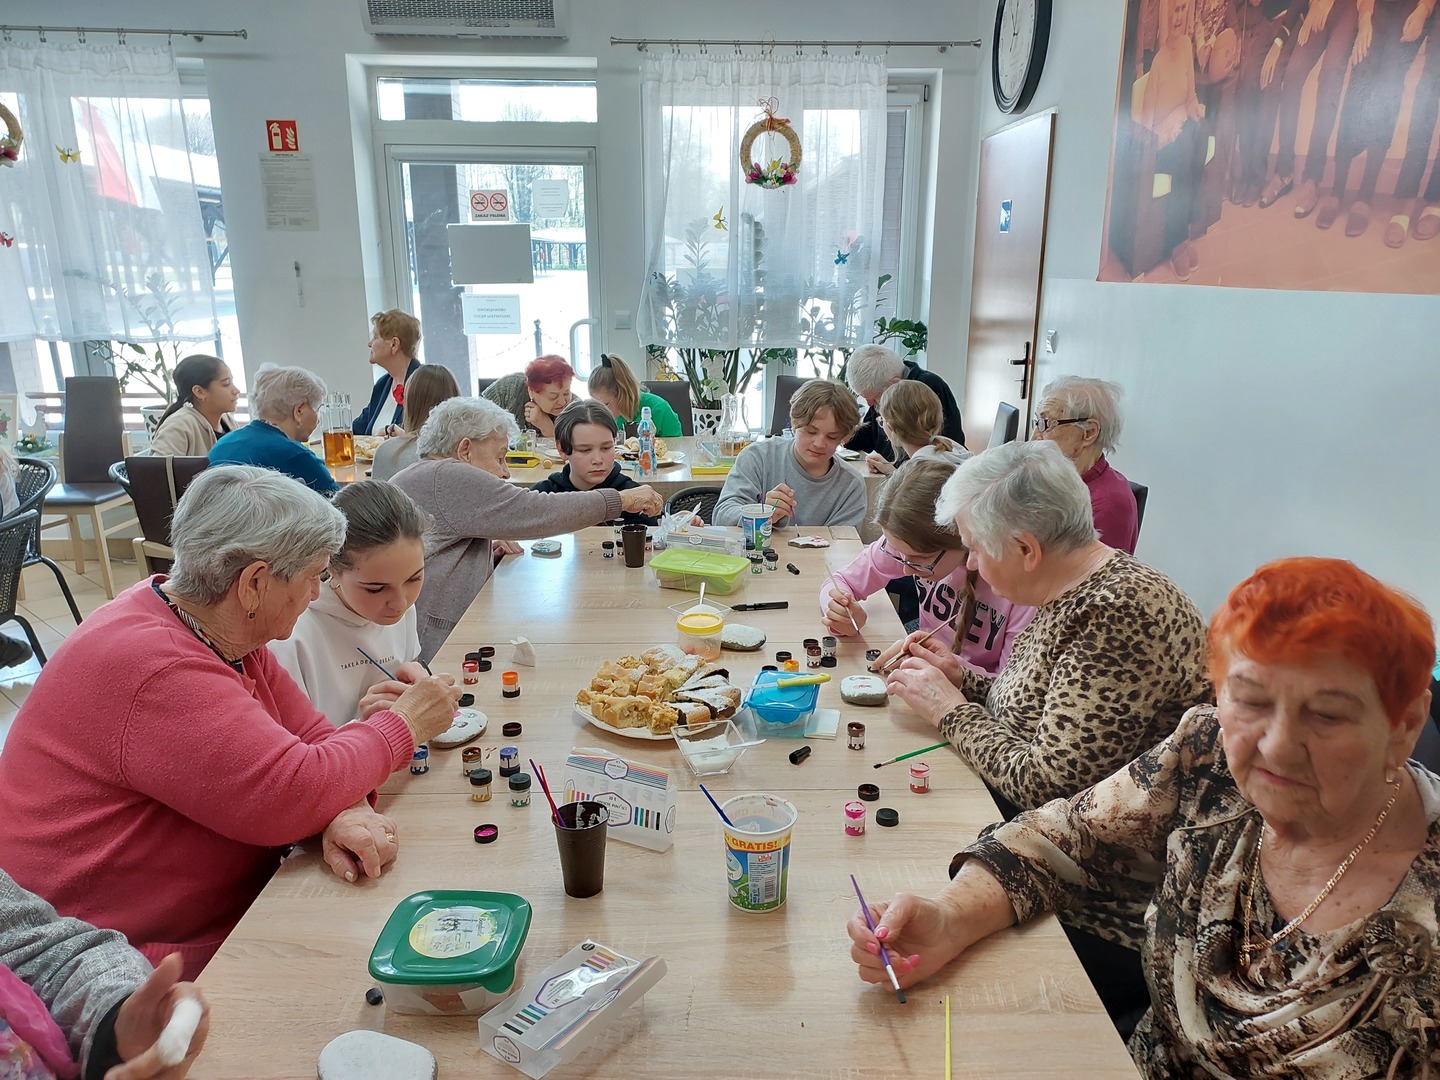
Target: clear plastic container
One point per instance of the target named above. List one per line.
(678, 568)
(710, 749)
(699, 627)
(787, 708)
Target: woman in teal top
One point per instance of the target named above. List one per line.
(284, 405)
(613, 385)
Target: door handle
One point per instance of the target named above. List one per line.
(1024, 364)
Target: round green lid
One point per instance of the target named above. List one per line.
(448, 936)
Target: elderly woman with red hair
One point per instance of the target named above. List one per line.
(1290, 850)
(535, 396)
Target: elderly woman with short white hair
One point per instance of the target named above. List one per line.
(165, 763)
(285, 407)
(872, 370)
(461, 481)
(1083, 418)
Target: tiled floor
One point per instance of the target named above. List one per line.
(48, 614)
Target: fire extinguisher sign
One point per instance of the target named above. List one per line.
(282, 136)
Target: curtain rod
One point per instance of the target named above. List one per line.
(643, 43)
(119, 31)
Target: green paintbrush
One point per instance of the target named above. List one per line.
(912, 753)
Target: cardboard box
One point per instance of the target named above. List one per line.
(639, 796)
(557, 1014)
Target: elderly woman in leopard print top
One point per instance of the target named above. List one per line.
(1292, 852)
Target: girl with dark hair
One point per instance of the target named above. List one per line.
(613, 385)
(205, 396)
(366, 602)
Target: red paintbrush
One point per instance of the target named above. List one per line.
(545, 787)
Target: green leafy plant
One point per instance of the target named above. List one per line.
(146, 368)
(910, 334)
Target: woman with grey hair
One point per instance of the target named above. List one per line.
(285, 407)
(461, 482)
(165, 762)
(1082, 417)
(872, 370)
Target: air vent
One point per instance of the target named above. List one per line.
(468, 18)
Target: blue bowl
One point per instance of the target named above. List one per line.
(779, 706)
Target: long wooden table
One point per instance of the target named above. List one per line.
(746, 995)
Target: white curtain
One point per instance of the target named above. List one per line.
(101, 209)
(737, 265)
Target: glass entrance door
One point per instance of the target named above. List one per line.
(486, 331)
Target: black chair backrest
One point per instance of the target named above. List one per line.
(156, 484)
(120, 474)
(33, 480)
(1427, 747)
(94, 428)
(687, 498)
(1141, 493)
(481, 385)
(1007, 425)
(785, 387)
(15, 534)
(677, 394)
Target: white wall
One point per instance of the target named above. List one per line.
(294, 66)
(1266, 423)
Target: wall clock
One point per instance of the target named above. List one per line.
(1017, 54)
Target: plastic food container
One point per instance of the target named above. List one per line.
(450, 952)
(781, 707)
(710, 749)
(676, 568)
(699, 628)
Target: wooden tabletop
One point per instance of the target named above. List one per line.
(293, 974)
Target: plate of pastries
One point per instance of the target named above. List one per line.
(645, 696)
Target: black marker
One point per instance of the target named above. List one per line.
(778, 605)
(792, 568)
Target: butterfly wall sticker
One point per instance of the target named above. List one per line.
(841, 257)
(68, 155)
(6, 240)
(719, 220)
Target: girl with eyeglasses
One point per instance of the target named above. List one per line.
(912, 543)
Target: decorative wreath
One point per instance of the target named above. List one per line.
(13, 137)
(778, 173)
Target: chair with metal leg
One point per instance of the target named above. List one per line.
(33, 480)
(15, 534)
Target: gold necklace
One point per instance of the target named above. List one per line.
(1248, 948)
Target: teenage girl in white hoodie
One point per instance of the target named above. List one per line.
(367, 602)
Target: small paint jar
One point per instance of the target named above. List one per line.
(854, 819)
(827, 646)
(791, 665)
(480, 785)
(509, 760)
(812, 656)
(420, 760)
(855, 735)
(607, 548)
(470, 759)
(919, 777)
(520, 789)
(772, 559)
(471, 668)
(510, 684)
(810, 643)
(757, 562)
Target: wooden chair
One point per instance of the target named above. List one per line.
(1007, 425)
(16, 532)
(33, 480)
(677, 395)
(156, 484)
(94, 438)
(785, 387)
(686, 499)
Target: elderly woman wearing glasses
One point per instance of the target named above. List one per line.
(1082, 417)
(912, 543)
(1289, 853)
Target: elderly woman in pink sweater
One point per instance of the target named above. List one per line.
(165, 762)
(462, 481)
(912, 543)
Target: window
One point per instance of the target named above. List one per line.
(486, 100)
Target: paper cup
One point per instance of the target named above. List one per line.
(757, 850)
(755, 524)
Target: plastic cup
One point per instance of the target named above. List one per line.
(755, 524)
(757, 850)
(582, 846)
(699, 628)
(632, 539)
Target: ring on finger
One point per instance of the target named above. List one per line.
(391, 837)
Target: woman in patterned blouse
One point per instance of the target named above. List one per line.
(1292, 852)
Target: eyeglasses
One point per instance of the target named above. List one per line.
(1040, 423)
(919, 568)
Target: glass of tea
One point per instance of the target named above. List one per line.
(335, 418)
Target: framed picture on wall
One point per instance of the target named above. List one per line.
(9, 419)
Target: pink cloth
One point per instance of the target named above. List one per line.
(996, 621)
(1117, 519)
(148, 787)
(33, 1030)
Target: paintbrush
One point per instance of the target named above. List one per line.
(912, 753)
(884, 956)
(900, 658)
(830, 577)
(377, 663)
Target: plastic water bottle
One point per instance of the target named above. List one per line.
(645, 432)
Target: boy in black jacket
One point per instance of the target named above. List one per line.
(585, 434)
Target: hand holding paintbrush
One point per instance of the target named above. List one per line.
(894, 656)
(842, 609)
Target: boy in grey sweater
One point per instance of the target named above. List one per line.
(800, 477)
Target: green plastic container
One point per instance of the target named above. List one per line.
(450, 952)
(678, 568)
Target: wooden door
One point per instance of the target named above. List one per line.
(1009, 258)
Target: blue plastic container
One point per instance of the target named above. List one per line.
(781, 710)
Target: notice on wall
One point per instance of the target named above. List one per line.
(489, 206)
(1006, 207)
(490, 314)
(287, 183)
(549, 198)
